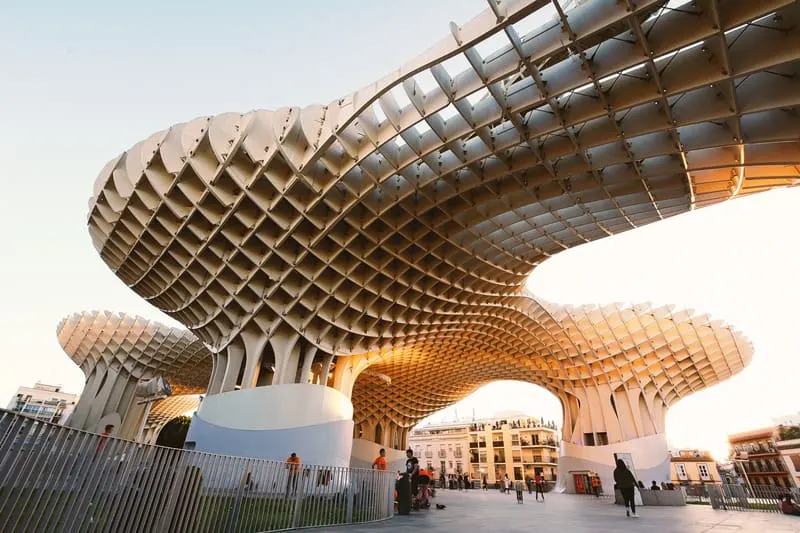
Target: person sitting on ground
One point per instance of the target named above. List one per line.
(655, 486)
(788, 506)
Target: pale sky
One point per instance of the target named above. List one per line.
(82, 81)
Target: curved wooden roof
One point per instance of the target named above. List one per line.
(142, 348)
(402, 220)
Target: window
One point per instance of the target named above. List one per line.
(703, 470)
(588, 439)
(515, 439)
(458, 451)
(602, 438)
(428, 451)
(482, 456)
(680, 468)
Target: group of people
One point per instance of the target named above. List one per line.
(455, 481)
(655, 486)
(506, 484)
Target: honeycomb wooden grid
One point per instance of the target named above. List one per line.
(401, 221)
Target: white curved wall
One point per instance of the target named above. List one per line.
(314, 421)
(650, 460)
(365, 451)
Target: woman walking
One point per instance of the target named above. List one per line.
(625, 483)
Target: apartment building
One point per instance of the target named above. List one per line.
(760, 461)
(520, 447)
(693, 467)
(44, 402)
(788, 444)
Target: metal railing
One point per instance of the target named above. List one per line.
(62, 480)
(766, 498)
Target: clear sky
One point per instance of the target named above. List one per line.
(82, 81)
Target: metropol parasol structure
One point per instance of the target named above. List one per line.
(351, 268)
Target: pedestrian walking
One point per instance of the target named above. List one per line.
(626, 483)
(539, 482)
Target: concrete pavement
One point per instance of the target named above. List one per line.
(476, 510)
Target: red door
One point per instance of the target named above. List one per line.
(579, 486)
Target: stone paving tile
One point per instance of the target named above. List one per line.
(491, 511)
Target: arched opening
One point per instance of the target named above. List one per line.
(504, 428)
(173, 434)
(378, 434)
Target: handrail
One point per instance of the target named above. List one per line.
(62, 480)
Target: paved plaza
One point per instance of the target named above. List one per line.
(492, 511)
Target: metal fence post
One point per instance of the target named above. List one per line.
(351, 498)
(390, 511)
(60, 479)
(298, 500)
(237, 505)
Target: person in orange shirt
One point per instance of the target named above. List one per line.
(293, 466)
(380, 462)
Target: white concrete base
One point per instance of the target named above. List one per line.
(314, 421)
(650, 460)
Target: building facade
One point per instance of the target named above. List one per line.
(520, 447)
(788, 444)
(758, 459)
(44, 402)
(692, 467)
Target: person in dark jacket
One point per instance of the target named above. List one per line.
(626, 483)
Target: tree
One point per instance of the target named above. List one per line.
(173, 434)
(789, 432)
